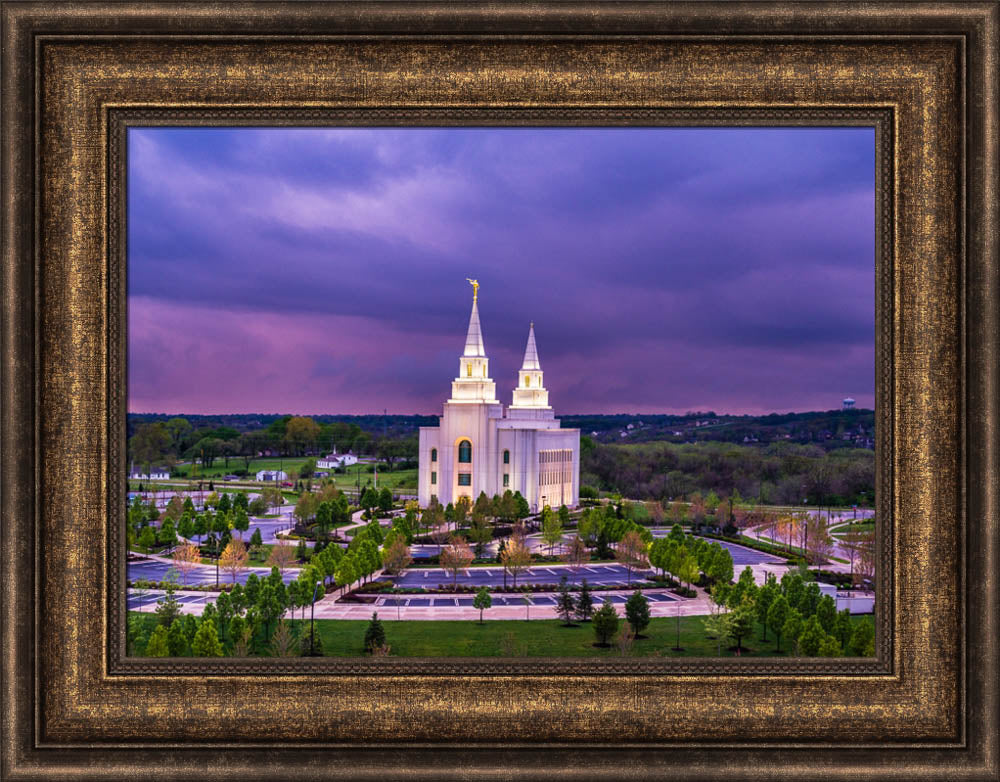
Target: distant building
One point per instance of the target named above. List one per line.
(848, 403)
(156, 474)
(272, 475)
(335, 461)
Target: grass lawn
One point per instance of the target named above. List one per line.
(514, 638)
(537, 638)
(405, 480)
(858, 526)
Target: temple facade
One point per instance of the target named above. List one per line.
(481, 447)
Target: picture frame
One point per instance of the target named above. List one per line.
(76, 76)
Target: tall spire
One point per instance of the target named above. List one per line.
(474, 339)
(531, 352)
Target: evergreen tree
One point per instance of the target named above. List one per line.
(792, 628)
(584, 603)
(565, 603)
(637, 612)
(301, 551)
(167, 608)
(605, 623)
(374, 634)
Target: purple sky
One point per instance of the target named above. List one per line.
(666, 269)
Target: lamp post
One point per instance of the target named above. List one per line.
(312, 615)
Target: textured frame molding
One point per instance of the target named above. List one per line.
(74, 75)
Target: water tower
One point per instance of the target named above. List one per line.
(848, 403)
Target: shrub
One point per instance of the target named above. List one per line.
(605, 623)
(374, 634)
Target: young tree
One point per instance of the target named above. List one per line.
(158, 645)
(480, 532)
(605, 623)
(482, 601)
(655, 510)
(396, 556)
(741, 624)
(637, 612)
(811, 637)
(565, 603)
(147, 539)
(793, 627)
(717, 627)
(632, 553)
(374, 634)
(818, 540)
(626, 636)
(241, 521)
(168, 608)
(777, 615)
(552, 527)
(584, 603)
(282, 642)
(576, 553)
(829, 647)
(439, 531)
(186, 558)
(456, 558)
(234, 558)
(765, 596)
(206, 640)
(516, 558)
(176, 639)
(863, 638)
(826, 613)
(281, 556)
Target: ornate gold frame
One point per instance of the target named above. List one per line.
(75, 76)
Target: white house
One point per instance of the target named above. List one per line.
(335, 461)
(155, 474)
(480, 447)
(272, 475)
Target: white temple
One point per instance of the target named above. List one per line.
(479, 447)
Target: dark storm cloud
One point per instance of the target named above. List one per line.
(666, 269)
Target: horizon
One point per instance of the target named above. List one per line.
(664, 268)
(687, 414)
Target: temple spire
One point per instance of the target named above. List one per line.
(531, 352)
(474, 339)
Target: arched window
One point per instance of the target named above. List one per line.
(527, 381)
(468, 370)
(465, 452)
(506, 457)
(434, 454)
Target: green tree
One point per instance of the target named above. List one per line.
(826, 612)
(605, 623)
(206, 640)
(147, 539)
(167, 608)
(793, 627)
(565, 603)
(177, 641)
(637, 612)
(811, 637)
(766, 595)
(777, 615)
(829, 647)
(584, 603)
(863, 638)
(741, 624)
(374, 634)
(482, 601)
(552, 528)
(842, 629)
(158, 645)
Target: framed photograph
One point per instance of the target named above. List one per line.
(450, 389)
